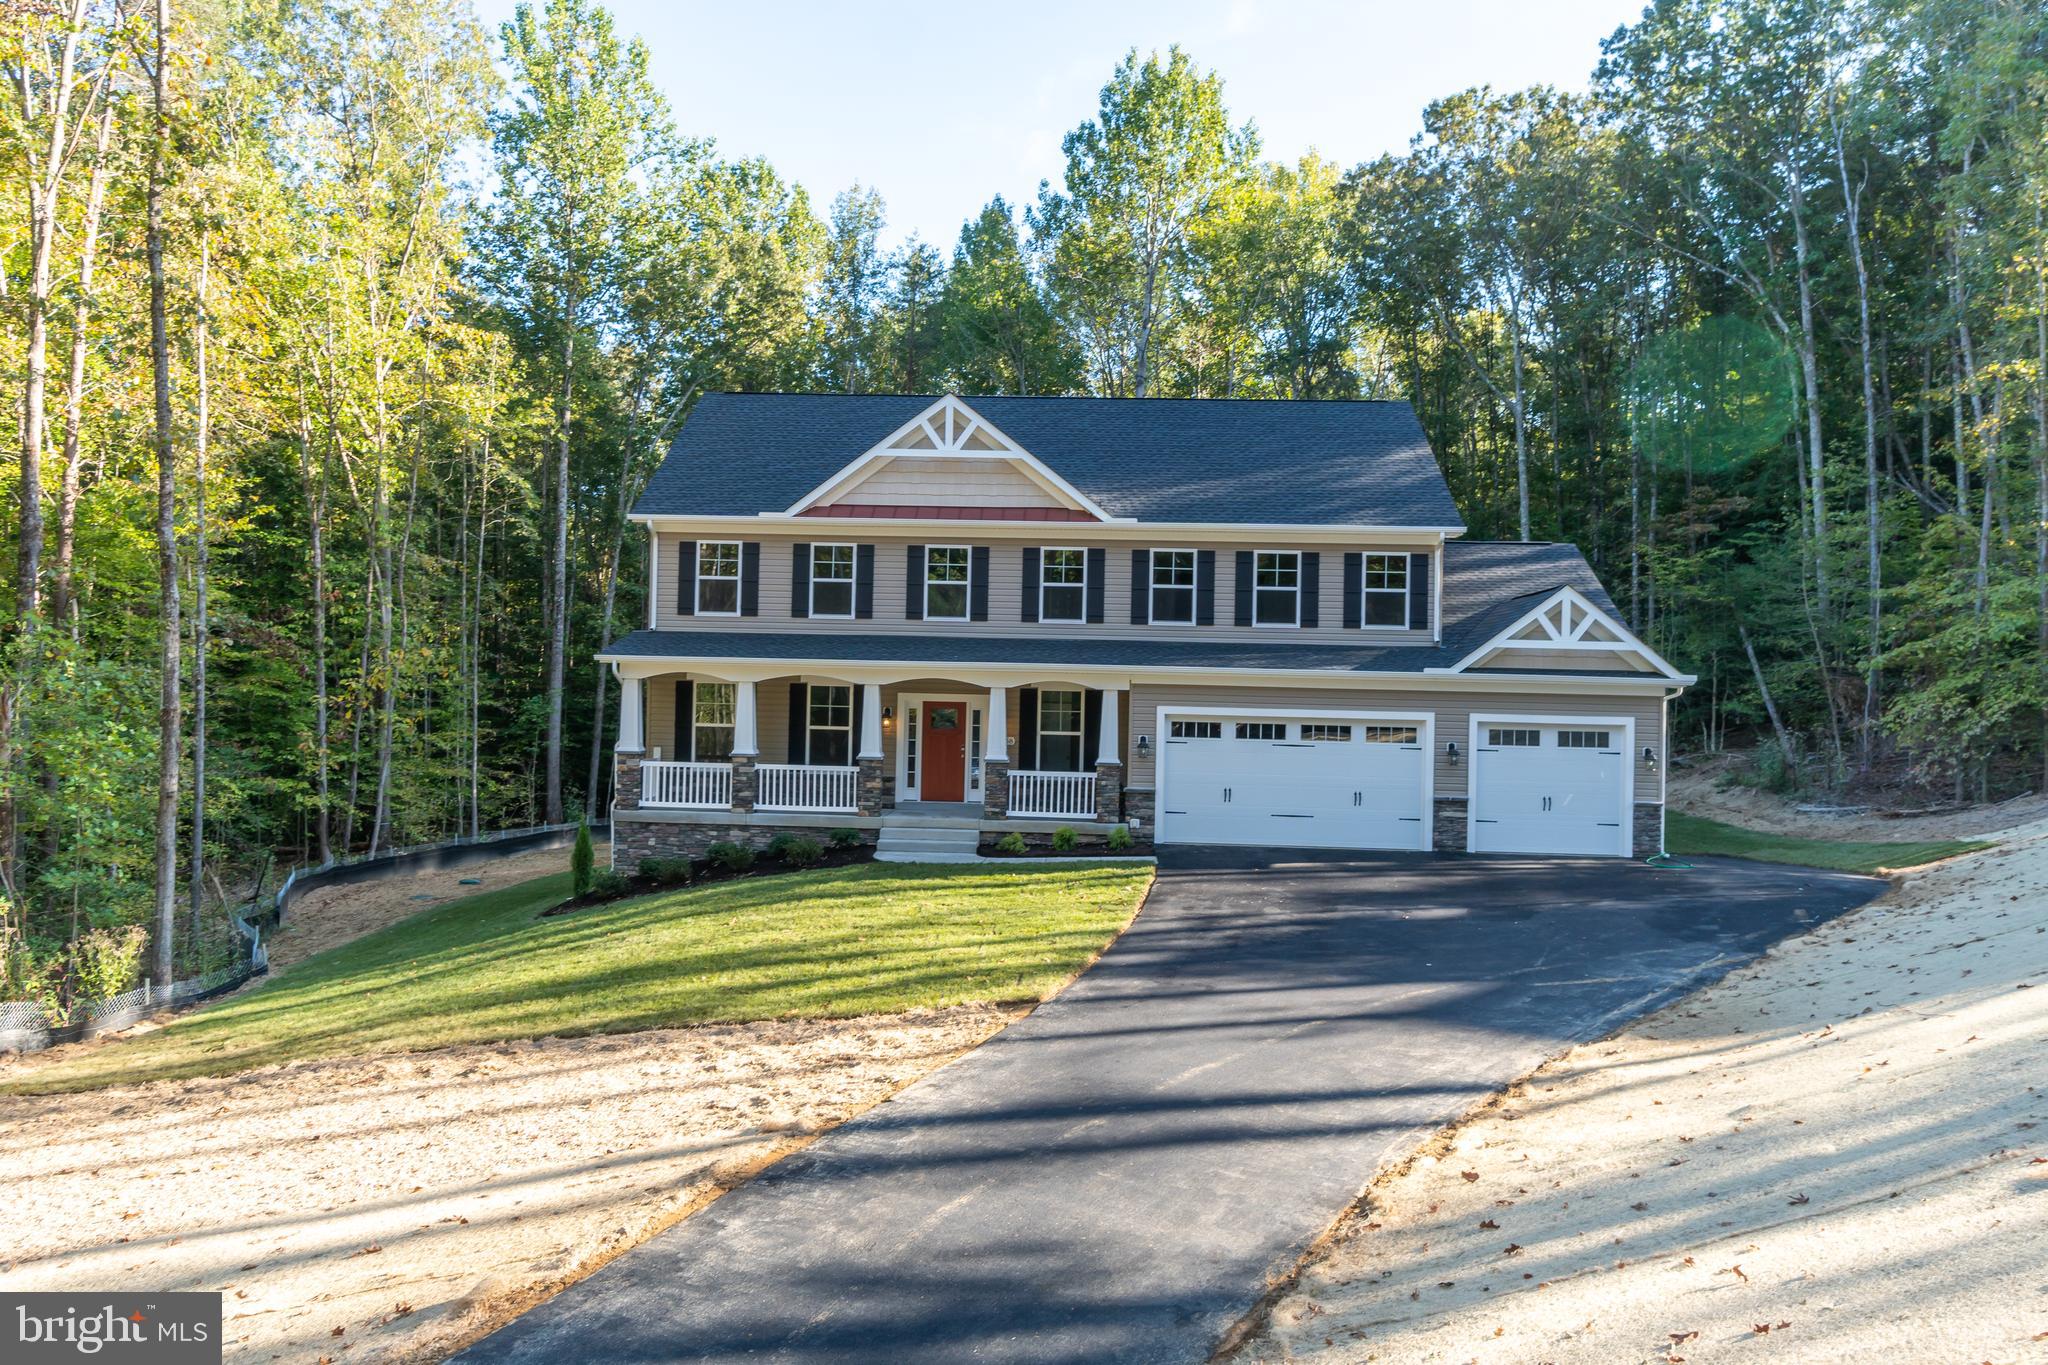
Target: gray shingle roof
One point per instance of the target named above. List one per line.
(1487, 584)
(1154, 459)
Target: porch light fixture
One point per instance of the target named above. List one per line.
(1650, 758)
(888, 714)
(1451, 752)
(1144, 746)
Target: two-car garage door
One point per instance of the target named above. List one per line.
(1295, 781)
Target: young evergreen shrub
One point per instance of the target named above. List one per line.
(802, 853)
(583, 860)
(1064, 839)
(1010, 843)
(606, 882)
(730, 856)
(666, 870)
(845, 838)
(1120, 839)
(778, 847)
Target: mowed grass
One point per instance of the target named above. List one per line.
(1685, 834)
(874, 938)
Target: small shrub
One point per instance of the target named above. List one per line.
(730, 856)
(605, 882)
(666, 870)
(583, 860)
(845, 838)
(1120, 839)
(802, 853)
(1064, 839)
(1011, 843)
(779, 845)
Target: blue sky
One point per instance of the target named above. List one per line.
(941, 106)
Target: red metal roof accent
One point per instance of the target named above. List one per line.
(934, 512)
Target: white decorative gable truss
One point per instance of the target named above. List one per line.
(949, 462)
(1567, 624)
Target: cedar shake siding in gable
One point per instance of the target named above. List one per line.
(1333, 606)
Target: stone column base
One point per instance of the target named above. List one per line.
(995, 789)
(868, 793)
(1109, 792)
(1452, 827)
(746, 784)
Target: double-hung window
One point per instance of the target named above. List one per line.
(831, 725)
(1386, 591)
(832, 580)
(718, 578)
(1173, 587)
(711, 722)
(945, 582)
(1059, 731)
(1276, 588)
(1062, 585)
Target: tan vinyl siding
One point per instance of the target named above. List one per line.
(1452, 708)
(1566, 661)
(946, 483)
(1006, 583)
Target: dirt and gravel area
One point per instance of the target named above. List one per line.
(1838, 1153)
(389, 1208)
(1707, 787)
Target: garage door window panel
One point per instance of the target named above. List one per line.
(1326, 734)
(1391, 734)
(1195, 729)
(1260, 729)
(1514, 739)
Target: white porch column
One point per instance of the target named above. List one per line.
(744, 745)
(870, 721)
(1112, 746)
(632, 739)
(995, 747)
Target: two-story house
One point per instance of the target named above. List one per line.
(1213, 621)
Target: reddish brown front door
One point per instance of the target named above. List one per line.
(944, 742)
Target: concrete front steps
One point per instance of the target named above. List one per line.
(926, 844)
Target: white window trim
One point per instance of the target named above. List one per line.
(1625, 724)
(1295, 624)
(1084, 585)
(852, 580)
(811, 731)
(697, 700)
(1194, 587)
(739, 573)
(967, 583)
(1365, 593)
(1079, 732)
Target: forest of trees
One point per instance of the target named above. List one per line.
(342, 335)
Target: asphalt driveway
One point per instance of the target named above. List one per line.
(1118, 1176)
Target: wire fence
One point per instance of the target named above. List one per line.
(25, 1026)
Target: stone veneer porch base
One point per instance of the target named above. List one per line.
(640, 834)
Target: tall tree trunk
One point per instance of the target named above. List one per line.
(316, 544)
(201, 429)
(2041, 460)
(1809, 368)
(1852, 197)
(170, 705)
(594, 789)
(1521, 416)
(1764, 690)
(476, 630)
(558, 593)
(63, 589)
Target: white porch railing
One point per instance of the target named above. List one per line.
(696, 786)
(1052, 794)
(806, 787)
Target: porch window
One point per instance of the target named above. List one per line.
(832, 581)
(831, 726)
(1173, 587)
(1276, 589)
(1062, 585)
(711, 725)
(1386, 591)
(945, 583)
(910, 737)
(718, 578)
(1059, 731)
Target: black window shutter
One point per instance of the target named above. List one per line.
(1030, 596)
(1418, 592)
(864, 582)
(799, 723)
(750, 578)
(800, 581)
(686, 721)
(1141, 587)
(1091, 730)
(913, 586)
(1205, 588)
(1311, 589)
(1354, 591)
(977, 574)
(1244, 587)
(686, 577)
(1027, 728)
(1098, 571)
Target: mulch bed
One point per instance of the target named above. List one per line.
(703, 872)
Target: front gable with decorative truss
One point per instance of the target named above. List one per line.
(1567, 632)
(948, 463)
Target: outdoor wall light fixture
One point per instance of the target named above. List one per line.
(1650, 758)
(888, 714)
(1451, 752)
(1144, 746)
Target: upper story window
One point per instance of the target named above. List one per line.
(1276, 588)
(1062, 585)
(1173, 587)
(830, 731)
(711, 722)
(945, 582)
(718, 578)
(1386, 591)
(832, 580)
(1059, 731)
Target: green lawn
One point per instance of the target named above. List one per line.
(1685, 834)
(873, 938)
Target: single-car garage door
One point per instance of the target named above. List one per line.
(1294, 781)
(1544, 787)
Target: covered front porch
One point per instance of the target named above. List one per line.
(839, 745)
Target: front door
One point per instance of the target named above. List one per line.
(944, 742)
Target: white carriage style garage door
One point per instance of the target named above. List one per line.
(1542, 785)
(1295, 781)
